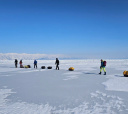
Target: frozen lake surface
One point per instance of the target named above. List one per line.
(83, 91)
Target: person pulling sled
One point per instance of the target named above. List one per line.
(21, 66)
(35, 64)
(102, 67)
(57, 64)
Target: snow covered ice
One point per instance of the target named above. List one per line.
(83, 91)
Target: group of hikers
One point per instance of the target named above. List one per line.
(35, 63)
(16, 63)
(102, 67)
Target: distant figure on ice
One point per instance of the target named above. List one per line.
(35, 63)
(57, 64)
(16, 62)
(21, 66)
(103, 64)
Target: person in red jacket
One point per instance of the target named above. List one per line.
(21, 66)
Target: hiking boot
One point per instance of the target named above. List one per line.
(100, 73)
(104, 73)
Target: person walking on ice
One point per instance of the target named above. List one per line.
(102, 67)
(21, 66)
(57, 64)
(16, 62)
(35, 63)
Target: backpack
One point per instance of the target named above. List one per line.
(104, 63)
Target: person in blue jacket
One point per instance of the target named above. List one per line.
(102, 67)
(35, 63)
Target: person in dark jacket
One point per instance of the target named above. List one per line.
(57, 64)
(16, 62)
(102, 67)
(35, 63)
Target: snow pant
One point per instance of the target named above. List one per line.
(103, 69)
(16, 65)
(57, 67)
(35, 65)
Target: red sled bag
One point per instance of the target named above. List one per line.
(104, 63)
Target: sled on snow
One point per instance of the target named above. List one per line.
(27, 66)
(43, 67)
(49, 67)
(125, 73)
(71, 69)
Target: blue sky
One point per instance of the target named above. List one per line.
(73, 27)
